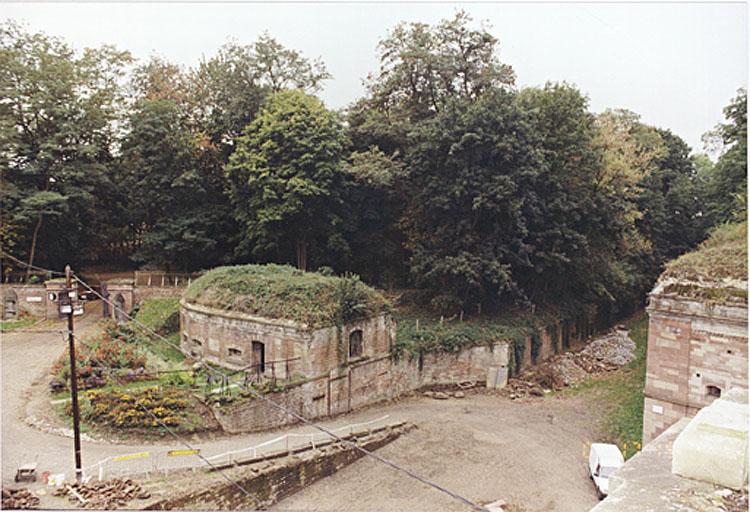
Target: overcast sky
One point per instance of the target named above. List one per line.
(677, 65)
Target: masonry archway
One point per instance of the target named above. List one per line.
(120, 314)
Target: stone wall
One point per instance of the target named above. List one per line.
(227, 337)
(25, 300)
(365, 382)
(696, 349)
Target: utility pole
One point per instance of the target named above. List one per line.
(70, 293)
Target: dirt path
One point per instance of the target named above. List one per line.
(483, 447)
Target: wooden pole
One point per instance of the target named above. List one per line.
(73, 375)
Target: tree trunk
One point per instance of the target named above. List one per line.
(33, 247)
(302, 255)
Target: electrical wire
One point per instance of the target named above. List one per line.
(33, 267)
(288, 411)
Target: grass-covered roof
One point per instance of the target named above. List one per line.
(284, 292)
(716, 270)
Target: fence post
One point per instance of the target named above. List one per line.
(101, 471)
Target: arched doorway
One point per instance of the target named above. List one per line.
(10, 305)
(120, 314)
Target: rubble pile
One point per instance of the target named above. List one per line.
(604, 354)
(108, 495)
(19, 499)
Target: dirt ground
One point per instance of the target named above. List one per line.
(530, 454)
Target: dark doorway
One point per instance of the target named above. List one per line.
(259, 356)
(355, 344)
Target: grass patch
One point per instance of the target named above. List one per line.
(21, 323)
(161, 315)
(622, 393)
(281, 291)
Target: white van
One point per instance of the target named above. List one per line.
(604, 459)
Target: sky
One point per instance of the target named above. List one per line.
(675, 64)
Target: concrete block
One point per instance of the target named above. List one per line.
(497, 377)
(713, 447)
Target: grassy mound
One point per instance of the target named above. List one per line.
(281, 291)
(723, 255)
(720, 258)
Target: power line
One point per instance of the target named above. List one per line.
(288, 411)
(33, 267)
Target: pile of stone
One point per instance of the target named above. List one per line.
(107, 495)
(19, 499)
(604, 354)
(734, 501)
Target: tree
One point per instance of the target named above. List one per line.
(287, 182)
(179, 214)
(422, 68)
(671, 203)
(727, 188)
(375, 205)
(572, 238)
(230, 87)
(470, 172)
(57, 127)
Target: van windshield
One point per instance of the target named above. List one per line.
(605, 472)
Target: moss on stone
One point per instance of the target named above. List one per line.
(281, 291)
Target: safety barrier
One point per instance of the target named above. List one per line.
(175, 459)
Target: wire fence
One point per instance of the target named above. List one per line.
(164, 461)
(155, 278)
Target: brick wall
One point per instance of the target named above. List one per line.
(694, 348)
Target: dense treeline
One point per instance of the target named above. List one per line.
(444, 176)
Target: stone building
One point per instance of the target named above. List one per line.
(697, 341)
(277, 322)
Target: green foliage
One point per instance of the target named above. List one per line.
(175, 189)
(281, 291)
(57, 124)
(727, 185)
(286, 180)
(419, 331)
(160, 314)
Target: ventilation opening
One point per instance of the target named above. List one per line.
(713, 391)
(355, 344)
(235, 352)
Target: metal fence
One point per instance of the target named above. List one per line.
(163, 461)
